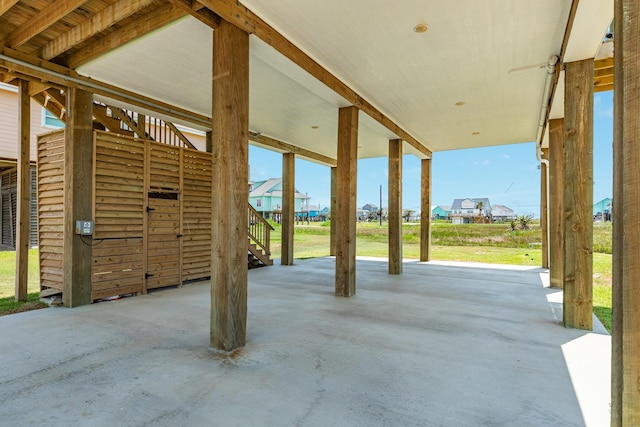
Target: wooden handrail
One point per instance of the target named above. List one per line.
(259, 230)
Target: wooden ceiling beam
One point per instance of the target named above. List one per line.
(43, 20)
(284, 147)
(5, 5)
(236, 13)
(92, 26)
(52, 107)
(198, 11)
(21, 64)
(37, 87)
(155, 17)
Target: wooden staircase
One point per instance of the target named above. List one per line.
(259, 249)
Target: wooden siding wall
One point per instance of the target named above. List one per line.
(117, 262)
(196, 215)
(127, 241)
(50, 207)
(9, 124)
(8, 206)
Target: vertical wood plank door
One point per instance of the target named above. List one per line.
(163, 240)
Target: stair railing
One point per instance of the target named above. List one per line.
(259, 231)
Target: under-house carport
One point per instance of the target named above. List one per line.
(334, 82)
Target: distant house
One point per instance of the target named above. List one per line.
(502, 213)
(266, 197)
(372, 208)
(362, 214)
(314, 213)
(602, 210)
(471, 210)
(440, 212)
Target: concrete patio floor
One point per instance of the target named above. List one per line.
(441, 345)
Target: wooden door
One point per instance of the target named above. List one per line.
(163, 240)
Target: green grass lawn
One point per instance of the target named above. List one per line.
(8, 305)
(486, 243)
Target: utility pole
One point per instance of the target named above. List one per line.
(380, 209)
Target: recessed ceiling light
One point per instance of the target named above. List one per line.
(460, 103)
(475, 133)
(421, 28)
(315, 127)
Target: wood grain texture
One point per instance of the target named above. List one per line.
(43, 20)
(425, 211)
(625, 336)
(230, 177)
(395, 206)
(5, 5)
(92, 26)
(578, 195)
(78, 168)
(23, 208)
(288, 207)
(345, 213)
(50, 208)
(556, 191)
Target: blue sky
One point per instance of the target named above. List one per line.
(507, 174)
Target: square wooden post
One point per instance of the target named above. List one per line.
(544, 211)
(229, 190)
(345, 215)
(556, 191)
(78, 185)
(23, 207)
(395, 206)
(288, 207)
(578, 195)
(625, 336)
(425, 211)
(332, 212)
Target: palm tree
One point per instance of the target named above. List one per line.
(524, 221)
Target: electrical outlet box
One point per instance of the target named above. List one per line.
(84, 227)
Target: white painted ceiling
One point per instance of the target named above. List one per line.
(485, 54)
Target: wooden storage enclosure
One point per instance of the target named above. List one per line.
(151, 211)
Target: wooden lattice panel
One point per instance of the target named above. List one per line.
(164, 167)
(50, 208)
(116, 267)
(196, 215)
(118, 187)
(117, 262)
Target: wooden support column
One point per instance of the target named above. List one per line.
(544, 211)
(78, 171)
(288, 207)
(625, 336)
(229, 227)
(395, 206)
(345, 215)
(578, 195)
(556, 191)
(332, 212)
(24, 192)
(425, 211)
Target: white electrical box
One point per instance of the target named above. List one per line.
(84, 227)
